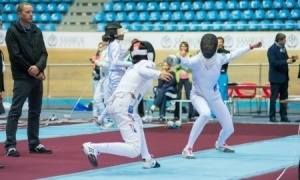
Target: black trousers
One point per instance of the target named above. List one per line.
(281, 90)
(187, 87)
(161, 100)
(23, 89)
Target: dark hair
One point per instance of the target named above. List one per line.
(279, 37)
(221, 38)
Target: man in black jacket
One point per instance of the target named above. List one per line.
(279, 76)
(28, 58)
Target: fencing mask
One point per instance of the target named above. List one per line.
(208, 45)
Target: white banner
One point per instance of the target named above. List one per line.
(164, 40)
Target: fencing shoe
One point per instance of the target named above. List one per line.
(91, 152)
(188, 153)
(150, 164)
(224, 148)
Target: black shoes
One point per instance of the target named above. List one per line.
(1, 166)
(285, 119)
(40, 149)
(273, 119)
(12, 152)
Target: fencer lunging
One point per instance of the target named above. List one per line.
(122, 107)
(205, 95)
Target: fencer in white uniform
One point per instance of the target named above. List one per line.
(101, 91)
(122, 107)
(116, 55)
(205, 95)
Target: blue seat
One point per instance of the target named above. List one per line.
(110, 16)
(132, 16)
(174, 6)
(50, 27)
(9, 8)
(267, 4)
(100, 26)
(177, 16)
(229, 25)
(147, 26)
(119, 6)
(158, 26)
(141, 6)
(290, 24)
(253, 25)
(194, 26)
(121, 16)
(272, 14)
(5, 26)
(220, 5)
(244, 4)
(291, 4)
(248, 14)
(41, 26)
(126, 25)
(45, 17)
(41, 8)
(241, 25)
(255, 4)
(99, 17)
(144, 16)
(52, 7)
(278, 4)
(200, 15)
(277, 25)
(232, 5)
(56, 18)
(130, 6)
(136, 26)
(3, 17)
(295, 13)
(284, 14)
(186, 6)
(236, 15)
(62, 8)
(166, 16)
(212, 15)
(182, 26)
(163, 6)
(217, 26)
(108, 7)
(266, 25)
(205, 26)
(188, 16)
(56, 1)
(152, 6)
(154, 16)
(12, 17)
(11, 1)
(197, 5)
(67, 1)
(208, 5)
(170, 26)
(259, 14)
(224, 15)
(297, 26)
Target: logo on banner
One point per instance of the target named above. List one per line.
(292, 41)
(166, 42)
(1, 38)
(228, 41)
(52, 40)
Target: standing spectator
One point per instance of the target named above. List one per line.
(28, 58)
(1, 84)
(2, 67)
(184, 78)
(279, 76)
(164, 90)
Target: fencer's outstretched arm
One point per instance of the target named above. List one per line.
(147, 70)
(239, 52)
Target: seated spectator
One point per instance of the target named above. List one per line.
(163, 92)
